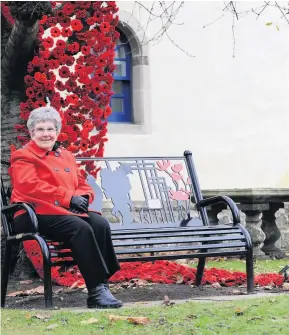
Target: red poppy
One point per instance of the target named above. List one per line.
(66, 32)
(48, 42)
(40, 103)
(40, 77)
(57, 52)
(64, 72)
(28, 80)
(54, 64)
(30, 92)
(61, 44)
(55, 32)
(43, 20)
(49, 85)
(65, 21)
(51, 21)
(59, 15)
(81, 14)
(69, 61)
(44, 54)
(74, 47)
(107, 112)
(68, 9)
(84, 4)
(85, 50)
(104, 27)
(76, 25)
(98, 16)
(72, 99)
(83, 145)
(91, 21)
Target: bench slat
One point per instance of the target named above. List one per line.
(195, 230)
(177, 240)
(144, 258)
(180, 248)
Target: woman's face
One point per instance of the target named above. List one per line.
(44, 135)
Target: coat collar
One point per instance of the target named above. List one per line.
(34, 148)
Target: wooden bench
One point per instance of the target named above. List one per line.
(148, 201)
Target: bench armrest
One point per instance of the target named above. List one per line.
(228, 201)
(11, 209)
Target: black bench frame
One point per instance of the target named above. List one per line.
(214, 239)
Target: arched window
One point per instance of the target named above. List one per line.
(121, 101)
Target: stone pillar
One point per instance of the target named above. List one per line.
(253, 225)
(226, 217)
(272, 232)
(282, 222)
(213, 212)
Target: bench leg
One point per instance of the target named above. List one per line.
(200, 271)
(250, 271)
(47, 286)
(5, 271)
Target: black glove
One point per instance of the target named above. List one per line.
(79, 203)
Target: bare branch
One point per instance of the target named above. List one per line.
(284, 15)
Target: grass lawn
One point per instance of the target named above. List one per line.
(253, 316)
(268, 316)
(260, 266)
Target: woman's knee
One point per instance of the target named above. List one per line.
(99, 222)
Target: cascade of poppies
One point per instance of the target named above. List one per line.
(73, 67)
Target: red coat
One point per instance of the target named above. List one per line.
(47, 180)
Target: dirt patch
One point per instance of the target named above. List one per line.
(77, 298)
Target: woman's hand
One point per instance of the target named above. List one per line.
(79, 203)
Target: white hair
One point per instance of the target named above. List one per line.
(41, 114)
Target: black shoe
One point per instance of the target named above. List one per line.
(101, 297)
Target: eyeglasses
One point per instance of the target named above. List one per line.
(41, 131)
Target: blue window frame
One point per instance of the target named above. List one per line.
(120, 102)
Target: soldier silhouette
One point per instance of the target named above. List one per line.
(116, 185)
(96, 205)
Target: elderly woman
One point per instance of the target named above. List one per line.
(47, 176)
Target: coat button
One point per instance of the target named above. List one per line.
(56, 154)
(56, 203)
(56, 169)
(67, 169)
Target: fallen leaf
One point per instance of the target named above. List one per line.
(74, 285)
(26, 281)
(16, 294)
(36, 290)
(52, 326)
(216, 285)
(41, 316)
(239, 312)
(269, 23)
(237, 292)
(89, 321)
(180, 279)
(285, 287)
(268, 287)
(140, 320)
(58, 290)
(167, 301)
(255, 318)
(112, 317)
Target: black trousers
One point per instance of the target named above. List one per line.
(88, 238)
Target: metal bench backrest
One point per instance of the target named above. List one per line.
(145, 191)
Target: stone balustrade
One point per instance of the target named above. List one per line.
(264, 213)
